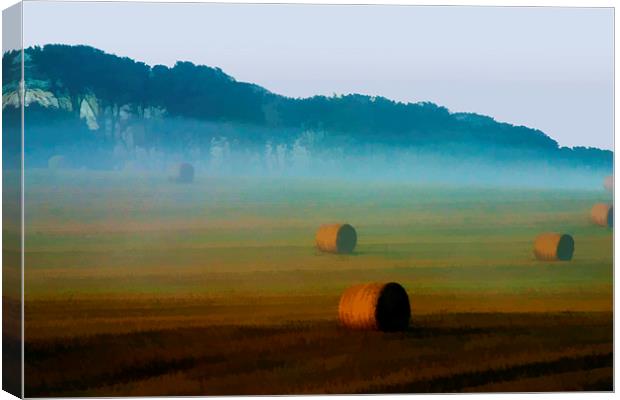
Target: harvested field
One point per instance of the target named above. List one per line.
(136, 285)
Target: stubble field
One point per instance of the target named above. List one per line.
(138, 286)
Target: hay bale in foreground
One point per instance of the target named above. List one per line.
(554, 247)
(608, 183)
(375, 306)
(336, 238)
(182, 173)
(602, 214)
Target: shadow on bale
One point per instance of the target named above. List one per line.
(375, 306)
(393, 309)
(566, 247)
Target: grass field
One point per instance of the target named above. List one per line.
(135, 285)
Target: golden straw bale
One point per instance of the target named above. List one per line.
(336, 238)
(554, 247)
(375, 306)
(602, 214)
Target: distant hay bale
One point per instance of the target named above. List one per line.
(131, 166)
(375, 306)
(603, 214)
(336, 238)
(608, 183)
(554, 247)
(182, 173)
(57, 162)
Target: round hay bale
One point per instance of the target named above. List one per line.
(602, 214)
(57, 162)
(375, 306)
(554, 247)
(182, 173)
(608, 183)
(336, 238)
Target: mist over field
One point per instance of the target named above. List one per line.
(223, 152)
(220, 149)
(90, 110)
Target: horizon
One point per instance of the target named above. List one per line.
(555, 77)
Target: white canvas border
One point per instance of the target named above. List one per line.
(504, 3)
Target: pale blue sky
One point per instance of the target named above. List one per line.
(548, 68)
